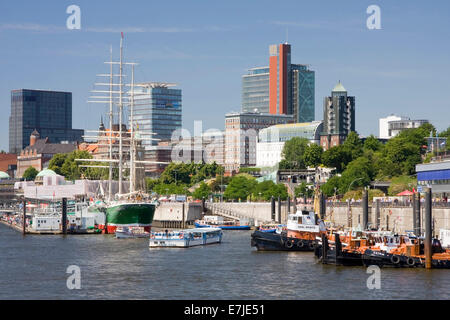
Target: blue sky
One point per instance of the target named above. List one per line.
(205, 46)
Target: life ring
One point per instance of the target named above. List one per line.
(300, 243)
(410, 261)
(181, 236)
(289, 244)
(395, 259)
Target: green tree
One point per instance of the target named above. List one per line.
(71, 169)
(30, 174)
(293, 153)
(353, 145)
(372, 143)
(240, 187)
(331, 186)
(57, 162)
(201, 192)
(336, 157)
(358, 173)
(313, 155)
(303, 191)
(402, 183)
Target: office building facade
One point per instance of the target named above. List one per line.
(241, 133)
(48, 112)
(281, 87)
(157, 114)
(338, 117)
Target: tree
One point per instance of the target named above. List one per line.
(57, 162)
(353, 145)
(313, 155)
(268, 189)
(372, 143)
(303, 190)
(357, 174)
(201, 192)
(293, 153)
(402, 183)
(331, 186)
(30, 174)
(336, 157)
(71, 169)
(240, 187)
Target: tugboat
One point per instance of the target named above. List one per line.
(405, 252)
(300, 235)
(345, 249)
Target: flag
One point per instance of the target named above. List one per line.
(121, 34)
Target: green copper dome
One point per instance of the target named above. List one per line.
(46, 172)
(4, 175)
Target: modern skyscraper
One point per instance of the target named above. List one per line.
(280, 88)
(157, 110)
(48, 112)
(338, 117)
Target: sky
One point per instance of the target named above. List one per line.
(205, 46)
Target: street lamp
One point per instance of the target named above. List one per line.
(352, 183)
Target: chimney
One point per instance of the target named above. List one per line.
(34, 137)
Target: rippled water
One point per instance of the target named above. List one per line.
(34, 267)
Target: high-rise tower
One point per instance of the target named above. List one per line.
(338, 117)
(280, 88)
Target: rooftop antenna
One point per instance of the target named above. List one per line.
(287, 34)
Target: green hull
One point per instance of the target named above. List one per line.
(130, 214)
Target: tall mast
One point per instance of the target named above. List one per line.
(132, 149)
(120, 114)
(110, 126)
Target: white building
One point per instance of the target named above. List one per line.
(271, 140)
(393, 125)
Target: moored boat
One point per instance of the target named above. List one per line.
(129, 214)
(300, 235)
(131, 232)
(220, 222)
(186, 238)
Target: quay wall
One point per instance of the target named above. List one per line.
(397, 219)
(170, 214)
(389, 217)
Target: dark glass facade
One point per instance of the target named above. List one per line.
(157, 110)
(48, 112)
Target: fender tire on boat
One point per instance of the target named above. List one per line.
(289, 244)
(311, 245)
(410, 261)
(395, 259)
(300, 243)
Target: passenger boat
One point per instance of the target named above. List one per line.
(186, 238)
(300, 235)
(131, 232)
(220, 222)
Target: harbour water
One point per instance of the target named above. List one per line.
(34, 267)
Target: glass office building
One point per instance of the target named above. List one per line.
(48, 112)
(255, 90)
(157, 110)
(303, 93)
(280, 88)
